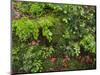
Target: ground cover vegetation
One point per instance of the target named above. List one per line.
(52, 37)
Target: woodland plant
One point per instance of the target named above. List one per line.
(52, 37)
